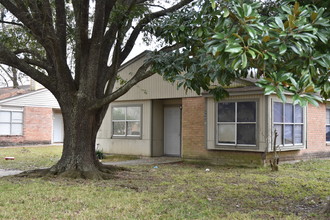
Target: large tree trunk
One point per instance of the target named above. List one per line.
(79, 159)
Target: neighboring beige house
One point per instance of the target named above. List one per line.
(29, 115)
(155, 119)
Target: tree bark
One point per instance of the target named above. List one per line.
(327, 208)
(80, 129)
(14, 78)
(79, 158)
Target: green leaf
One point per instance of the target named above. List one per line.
(322, 37)
(233, 49)
(319, 13)
(251, 32)
(200, 32)
(323, 22)
(284, 76)
(283, 49)
(213, 3)
(244, 60)
(280, 93)
(225, 12)
(295, 49)
(252, 53)
(286, 9)
(235, 64)
(239, 11)
(219, 36)
(294, 82)
(279, 23)
(312, 100)
(269, 89)
(247, 10)
(266, 56)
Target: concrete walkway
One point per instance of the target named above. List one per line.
(9, 172)
(142, 161)
(146, 161)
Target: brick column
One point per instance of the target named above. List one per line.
(193, 127)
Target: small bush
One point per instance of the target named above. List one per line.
(99, 154)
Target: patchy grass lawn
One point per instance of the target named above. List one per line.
(29, 158)
(174, 191)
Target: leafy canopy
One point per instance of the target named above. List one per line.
(225, 40)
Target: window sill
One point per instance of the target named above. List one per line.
(291, 147)
(127, 137)
(235, 148)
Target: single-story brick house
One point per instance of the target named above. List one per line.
(29, 115)
(155, 118)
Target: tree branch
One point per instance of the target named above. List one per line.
(148, 18)
(113, 35)
(38, 63)
(12, 23)
(80, 9)
(28, 51)
(141, 74)
(9, 58)
(61, 24)
(4, 78)
(171, 48)
(108, 9)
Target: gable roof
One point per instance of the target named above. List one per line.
(38, 98)
(6, 92)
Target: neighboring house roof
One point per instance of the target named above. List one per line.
(7, 92)
(38, 98)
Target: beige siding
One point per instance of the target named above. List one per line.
(158, 128)
(40, 98)
(153, 87)
(140, 146)
(261, 122)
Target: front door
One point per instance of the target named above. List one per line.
(58, 131)
(172, 130)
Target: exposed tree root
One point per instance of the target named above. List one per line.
(327, 208)
(103, 172)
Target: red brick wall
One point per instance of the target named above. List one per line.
(37, 128)
(194, 139)
(193, 127)
(316, 143)
(316, 119)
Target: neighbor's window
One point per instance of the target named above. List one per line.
(328, 125)
(11, 122)
(236, 124)
(126, 121)
(288, 121)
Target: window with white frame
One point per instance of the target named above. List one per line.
(11, 122)
(237, 123)
(126, 121)
(328, 125)
(288, 121)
